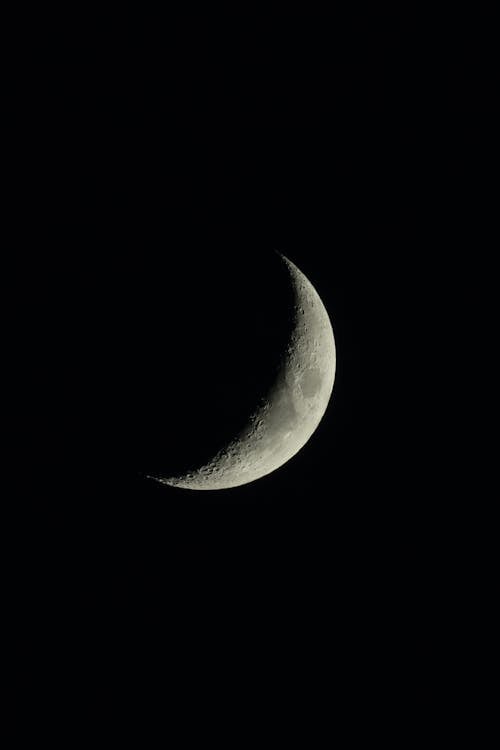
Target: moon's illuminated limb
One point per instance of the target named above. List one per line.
(290, 412)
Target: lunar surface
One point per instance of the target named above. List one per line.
(287, 416)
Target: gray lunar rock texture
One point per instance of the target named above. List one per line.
(289, 413)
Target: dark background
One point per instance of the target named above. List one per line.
(165, 171)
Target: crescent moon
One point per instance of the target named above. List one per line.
(289, 414)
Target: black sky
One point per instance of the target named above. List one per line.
(167, 180)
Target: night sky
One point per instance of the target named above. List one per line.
(169, 187)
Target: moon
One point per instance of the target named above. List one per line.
(287, 416)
